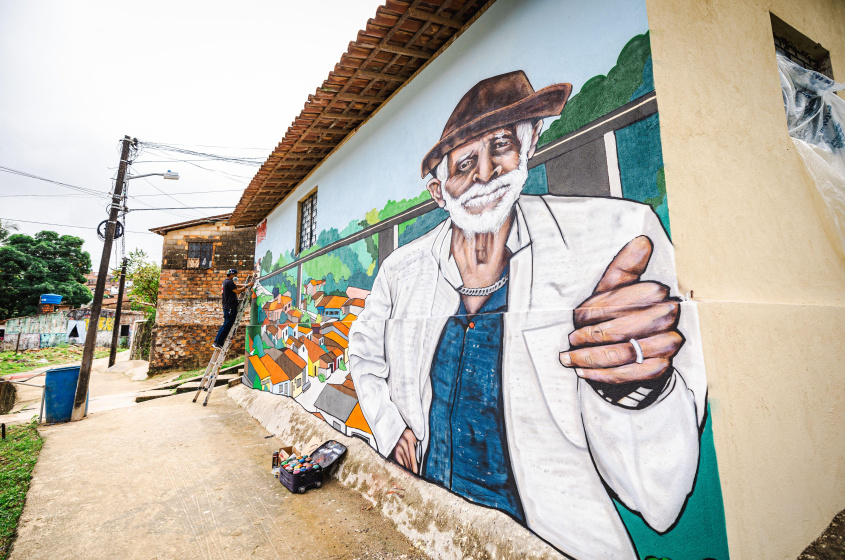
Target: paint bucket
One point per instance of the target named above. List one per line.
(59, 391)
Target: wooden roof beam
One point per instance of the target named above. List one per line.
(433, 18)
(363, 98)
(381, 76)
(326, 144)
(407, 52)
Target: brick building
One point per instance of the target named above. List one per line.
(195, 259)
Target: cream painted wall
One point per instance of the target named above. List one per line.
(751, 241)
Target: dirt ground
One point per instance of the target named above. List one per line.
(831, 544)
(169, 478)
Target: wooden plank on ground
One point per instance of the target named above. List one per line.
(150, 395)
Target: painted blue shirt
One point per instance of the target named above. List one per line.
(467, 451)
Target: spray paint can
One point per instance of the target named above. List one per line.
(275, 459)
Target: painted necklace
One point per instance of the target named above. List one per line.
(486, 291)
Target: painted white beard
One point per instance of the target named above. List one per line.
(488, 221)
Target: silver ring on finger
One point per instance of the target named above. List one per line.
(638, 349)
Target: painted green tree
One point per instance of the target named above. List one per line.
(602, 94)
(267, 263)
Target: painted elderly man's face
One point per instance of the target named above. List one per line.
(483, 159)
(485, 177)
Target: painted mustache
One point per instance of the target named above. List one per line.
(483, 194)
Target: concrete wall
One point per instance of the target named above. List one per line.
(752, 242)
(189, 310)
(53, 329)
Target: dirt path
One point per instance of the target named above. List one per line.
(170, 479)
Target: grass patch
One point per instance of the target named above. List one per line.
(26, 360)
(195, 372)
(18, 453)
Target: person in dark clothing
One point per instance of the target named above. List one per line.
(230, 292)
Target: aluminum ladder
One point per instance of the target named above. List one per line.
(209, 378)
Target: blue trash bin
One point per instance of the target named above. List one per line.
(59, 391)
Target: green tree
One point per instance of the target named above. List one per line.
(5, 229)
(43, 264)
(144, 275)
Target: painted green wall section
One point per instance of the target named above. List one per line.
(537, 182)
(641, 166)
(700, 532)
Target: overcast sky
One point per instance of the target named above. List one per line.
(219, 77)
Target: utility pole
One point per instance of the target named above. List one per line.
(116, 331)
(81, 398)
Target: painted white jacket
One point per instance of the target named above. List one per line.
(564, 439)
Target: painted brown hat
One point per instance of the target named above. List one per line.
(492, 103)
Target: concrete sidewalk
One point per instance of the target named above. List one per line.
(171, 479)
(110, 388)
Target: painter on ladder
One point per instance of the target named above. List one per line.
(230, 291)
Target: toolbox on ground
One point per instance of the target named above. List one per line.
(298, 472)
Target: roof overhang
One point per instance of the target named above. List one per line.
(395, 45)
(164, 230)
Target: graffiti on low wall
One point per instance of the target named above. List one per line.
(61, 327)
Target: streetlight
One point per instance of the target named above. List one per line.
(174, 175)
(115, 335)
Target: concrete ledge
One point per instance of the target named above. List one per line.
(439, 522)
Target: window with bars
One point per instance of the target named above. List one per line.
(308, 222)
(199, 255)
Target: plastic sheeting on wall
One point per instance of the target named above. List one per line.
(815, 116)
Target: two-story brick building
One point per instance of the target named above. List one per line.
(195, 259)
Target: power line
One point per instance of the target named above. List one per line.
(74, 187)
(224, 147)
(130, 196)
(65, 225)
(46, 195)
(87, 192)
(169, 160)
(192, 192)
(162, 192)
(253, 162)
(186, 208)
(237, 178)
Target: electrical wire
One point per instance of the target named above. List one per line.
(64, 225)
(184, 193)
(47, 195)
(166, 194)
(192, 192)
(178, 208)
(252, 162)
(230, 176)
(224, 147)
(169, 160)
(91, 192)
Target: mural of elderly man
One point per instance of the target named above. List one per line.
(531, 353)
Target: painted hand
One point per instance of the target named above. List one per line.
(405, 451)
(621, 308)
